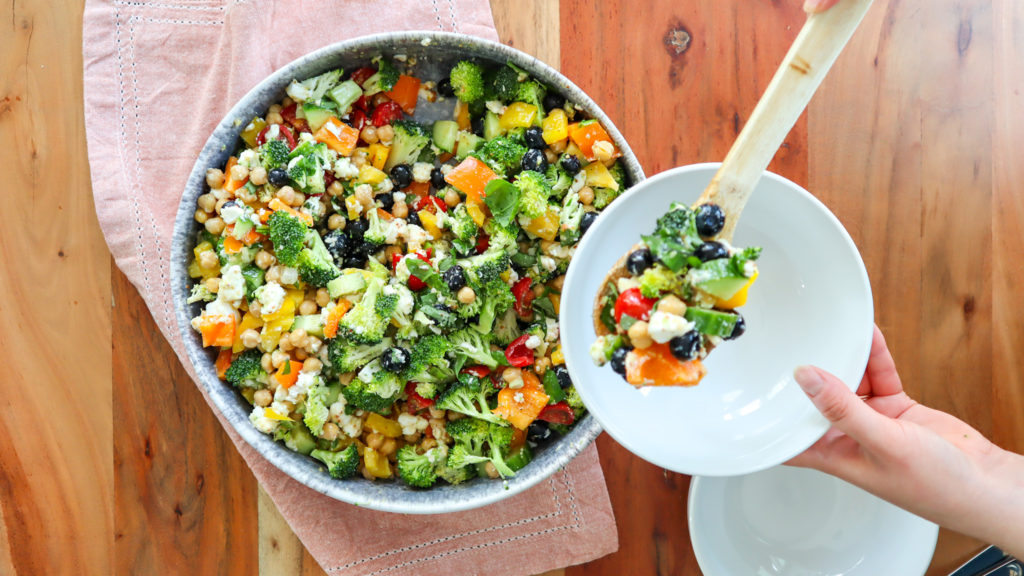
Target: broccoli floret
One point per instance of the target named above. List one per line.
(658, 279)
(469, 432)
(434, 312)
(569, 220)
(674, 238)
(348, 357)
(499, 438)
(533, 92)
(378, 229)
(246, 370)
(467, 396)
(502, 83)
(341, 464)
(274, 154)
(254, 278)
(381, 382)
(386, 304)
(453, 475)
(363, 324)
(506, 329)
(496, 297)
(558, 178)
(572, 397)
(464, 229)
(486, 267)
(200, 293)
(534, 193)
(467, 80)
(405, 305)
(410, 139)
(374, 390)
(313, 89)
(604, 196)
(306, 165)
(502, 238)
(502, 153)
(317, 410)
(418, 469)
(288, 234)
(382, 80)
(315, 263)
(472, 345)
(427, 365)
(619, 174)
(470, 438)
(459, 457)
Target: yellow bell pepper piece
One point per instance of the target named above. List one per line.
(544, 226)
(295, 295)
(376, 463)
(253, 130)
(556, 126)
(738, 299)
(599, 176)
(197, 271)
(370, 175)
(476, 213)
(429, 223)
(558, 357)
(556, 301)
(378, 154)
(518, 115)
(383, 426)
(277, 324)
(353, 207)
(248, 321)
(573, 150)
(270, 413)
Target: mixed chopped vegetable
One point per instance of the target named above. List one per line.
(385, 293)
(675, 301)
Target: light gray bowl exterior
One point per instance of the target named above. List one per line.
(435, 52)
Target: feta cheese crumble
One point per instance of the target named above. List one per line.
(663, 326)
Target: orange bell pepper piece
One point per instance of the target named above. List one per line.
(252, 237)
(338, 136)
(520, 407)
(417, 189)
(217, 330)
(656, 366)
(288, 373)
(232, 245)
(223, 363)
(334, 317)
(276, 204)
(470, 177)
(405, 93)
(462, 115)
(230, 184)
(585, 135)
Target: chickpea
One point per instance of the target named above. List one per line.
(275, 109)
(364, 194)
(551, 156)
(389, 447)
(359, 159)
(300, 354)
(538, 290)
(299, 338)
(672, 305)
(386, 133)
(412, 438)
(285, 345)
(273, 275)
(428, 443)
(220, 205)
(312, 365)
(452, 198)
(453, 415)
(239, 172)
(213, 285)
(201, 216)
(369, 135)
(277, 358)
(208, 259)
(466, 295)
(400, 209)
(298, 199)
(436, 413)
(262, 398)
(258, 176)
(374, 440)
(557, 283)
(638, 335)
(336, 189)
(330, 431)
(587, 195)
(288, 407)
(264, 259)
(286, 194)
(512, 374)
(214, 178)
(491, 471)
(307, 307)
(286, 102)
(266, 363)
(335, 222)
(214, 225)
(274, 118)
(323, 297)
(250, 338)
(389, 253)
(541, 365)
(254, 307)
(603, 151)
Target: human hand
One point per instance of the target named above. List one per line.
(815, 6)
(920, 459)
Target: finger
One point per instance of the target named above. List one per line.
(881, 370)
(815, 6)
(842, 407)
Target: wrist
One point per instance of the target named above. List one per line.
(1004, 477)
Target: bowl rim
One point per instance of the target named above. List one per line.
(810, 437)
(377, 496)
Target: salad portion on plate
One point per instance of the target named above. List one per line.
(385, 292)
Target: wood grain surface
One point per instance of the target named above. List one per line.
(111, 462)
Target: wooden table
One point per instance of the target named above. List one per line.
(110, 461)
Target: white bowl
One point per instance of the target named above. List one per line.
(811, 304)
(797, 522)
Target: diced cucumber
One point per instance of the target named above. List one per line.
(345, 94)
(553, 388)
(711, 322)
(445, 132)
(313, 324)
(300, 440)
(348, 283)
(523, 260)
(719, 280)
(242, 227)
(492, 126)
(468, 142)
(519, 459)
(315, 115)
(333, 391)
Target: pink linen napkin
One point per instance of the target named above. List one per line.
(158, 76)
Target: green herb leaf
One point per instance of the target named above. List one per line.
(503, 200)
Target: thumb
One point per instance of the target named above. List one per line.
(847, 412)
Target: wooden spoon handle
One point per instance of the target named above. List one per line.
(813, 52)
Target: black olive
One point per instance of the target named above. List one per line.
(278, 177)
(639, 260)
(413, 218)
(538, 431)
(571, 165)
(395, 359)
(709, 219)
(685, 347)
(711, 251)
(356, 228)
(552, 101)
(454, 277)
(387, 201)
(619, 359)
(563, 377)
(739, 328)
(437, 179)
(444, 88)
(401, 175)
(367, 248)
(587, 222)
(478, 126)
(354, 260)
(535, 160)
(534, 137)
(339, 245)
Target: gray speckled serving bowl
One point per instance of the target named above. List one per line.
(435, 53)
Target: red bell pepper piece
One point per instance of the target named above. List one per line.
(282, 130)
(428, 201)
(360, 103)
(415, 401)
(523, 295)
(482, 242)
(633, 303)
(359, 76)
(288, 113)
(518, 354)
(357, 118)
(558, 413)
(415, 284)
(478, 370)
(386, 113)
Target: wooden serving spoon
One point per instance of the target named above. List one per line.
(815, 49)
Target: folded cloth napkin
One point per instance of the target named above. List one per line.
(158, 76)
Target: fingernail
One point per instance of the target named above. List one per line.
(808, 379)
(812, 6)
